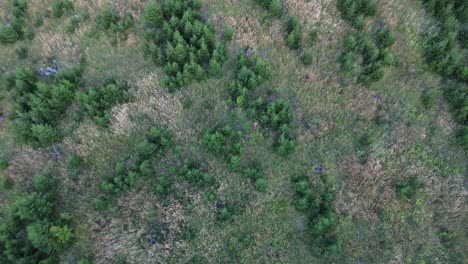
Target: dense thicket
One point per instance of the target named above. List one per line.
(41, 104)
(32, 229)
(183, 42)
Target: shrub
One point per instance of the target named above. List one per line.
(224, 214)
(294, 33)
(223, 141)
(153, 14)
(408, 189)
(354, 10)
(40, 107)
(385, 38)
(164, 185)
(113, 25)
(98, 103)
(8, 35)
(6, 183)
(228, 33)
(59, 7)
(33, 229)
(44, 135)
(260, 185)
(313, 36)
(304, 193)
(183, 42)
(194, 175)
(307, 58)
(274, 6)
(428, 98)
(3, 164)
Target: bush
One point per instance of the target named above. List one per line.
(44, 135)
(353, 11)
(223, 141)
(114, 25)
(228, 33)
(33, 229)
(98, 103)
(164, 185)
(153, 14)
(260, 185)
(313, 36)
(408, 189)
(40, 107)
(273, 6)
(3, 164)
(59, 7)
(194, 175)
(8, 35)
(385, 38)
(428, 98)
(294, 33)
(183, 43)
(307, 58)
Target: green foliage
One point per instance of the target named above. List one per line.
(17, 28)
(224, 141)
(273, 6)
(353, 11)
(294, 33)
(374, 51)
(33, 230)
(3, 164)
(322, 219)
(6, 183)
(456, 94)
(255, 174)
(8, 35)
(126, 174)
(428, 98)
(164, 185)
(228, 33)
(114, 25)
(194, 175)
(304, 193)
(313, 37)
(260, 185)
(445, 57)
(97, 103)
(307, 58)
(384, 38)
(408, 189)
(182, 42)
(153, 14)
(250, 73)
(224, 214)
(40, 107)
(60, 7)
